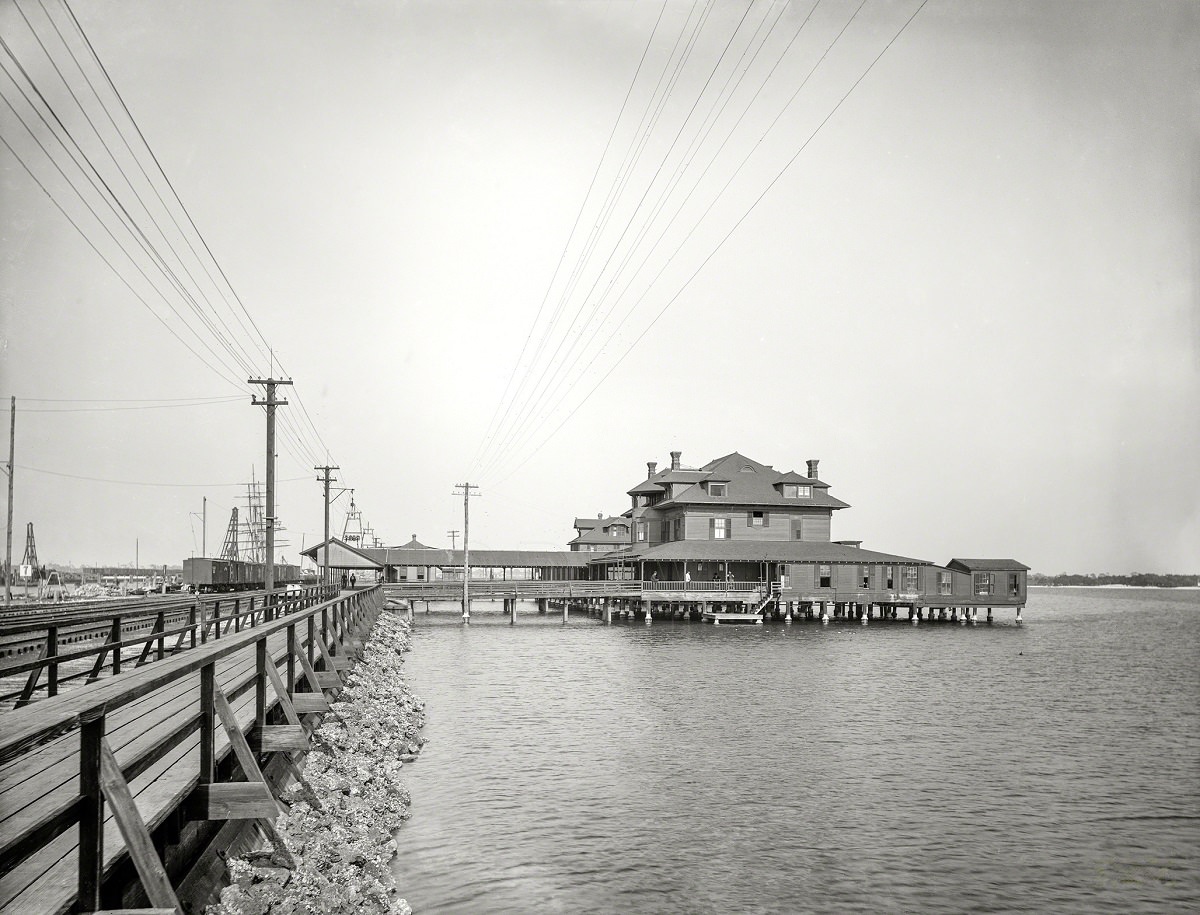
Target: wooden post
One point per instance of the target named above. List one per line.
(91, 814)
(291, 658)
(260, 682)
(208, 687)
(116, 638)
(52, 657)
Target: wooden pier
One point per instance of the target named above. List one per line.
(119, 794)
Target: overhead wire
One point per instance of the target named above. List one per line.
(726, 237)
(570, 235)
(305, 439)
(646, 123)
(228, 337)
(529, 431)
(199, 235)
(616, 245)
(111, 201)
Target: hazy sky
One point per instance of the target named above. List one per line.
(972, 294)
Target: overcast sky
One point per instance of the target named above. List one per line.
(969, 289)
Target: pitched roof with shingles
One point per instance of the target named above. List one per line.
(413, 544)
(986, 565)
(749, 483)
(761, 551)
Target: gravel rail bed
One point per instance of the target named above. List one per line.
(336, 837)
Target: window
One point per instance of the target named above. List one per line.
(796, 491)
(890, 580)
(825, 576)
(758, 519)
(1014, 584)
(984, 584)
(719, 528)
(910, 579)
(748, 469)
(717, 489)
(944, 586)
(866, 577)
(798, 530)
(641, 531)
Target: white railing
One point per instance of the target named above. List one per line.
(723, 587)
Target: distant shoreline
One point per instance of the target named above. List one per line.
(1126, 587)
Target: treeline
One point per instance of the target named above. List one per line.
(1136, 580)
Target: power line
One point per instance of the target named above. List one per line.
(531, 429)
(571, 235)
(152, 406)
(727, 236)
(75, 476)
(645, 126)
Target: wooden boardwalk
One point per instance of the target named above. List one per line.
(134, 762)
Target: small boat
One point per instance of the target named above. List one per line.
(751, 618)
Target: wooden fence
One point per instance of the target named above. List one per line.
(126, 769)
(58, 641)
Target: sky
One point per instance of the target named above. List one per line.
(950, 249)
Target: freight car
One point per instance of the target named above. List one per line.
(209, 575)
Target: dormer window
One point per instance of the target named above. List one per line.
(796, 491)
(718, 489)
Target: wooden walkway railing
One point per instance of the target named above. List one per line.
(91, 779)
(57, 642)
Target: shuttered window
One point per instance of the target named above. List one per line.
(718, 528)
(758, 519)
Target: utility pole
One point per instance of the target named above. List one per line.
(270, 403)
(12, 437)
(326, 479)
(204, 529)
(453, 539)
(466, 494)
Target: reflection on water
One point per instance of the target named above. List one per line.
(684, 768)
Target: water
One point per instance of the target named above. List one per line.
(680, 767)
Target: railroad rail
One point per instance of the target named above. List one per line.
(69, 644)
(110, 794)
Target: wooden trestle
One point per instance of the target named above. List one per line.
(111, 792)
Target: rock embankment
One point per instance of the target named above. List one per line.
(337, 834)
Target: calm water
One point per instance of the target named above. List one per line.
(684, 768)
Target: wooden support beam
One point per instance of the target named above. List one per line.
(237, 740)
(234, 801)
(91, 814)
(306, 703)
(330, 663)
(285, 699)
(309, 674)
(279, 738)
(133, 830)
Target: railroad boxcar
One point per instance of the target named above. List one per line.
(218, 575)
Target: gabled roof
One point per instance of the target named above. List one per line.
(757, 488)
(413, 544)
(601, 532)
(761, 551)
(646, 486)
(986, 565)
(744, 488)
(341, 556)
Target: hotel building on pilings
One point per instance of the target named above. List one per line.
(736, 533)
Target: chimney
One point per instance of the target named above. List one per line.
(675, 459)
(599, 516)
(812, 469)
(650, 468)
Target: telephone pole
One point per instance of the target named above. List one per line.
(12, 438)
(271, 402)
(326, 479)
(453, 535)
(466, 489)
